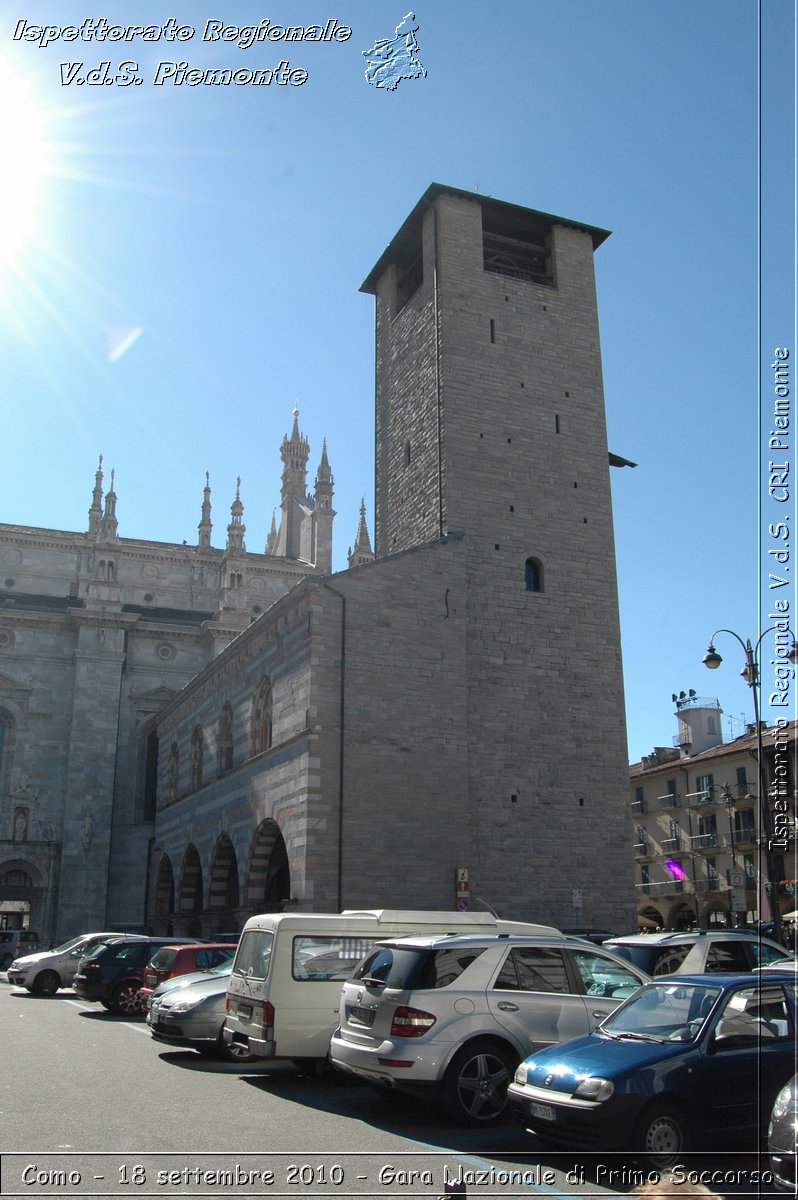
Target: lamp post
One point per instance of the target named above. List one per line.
(750, 674)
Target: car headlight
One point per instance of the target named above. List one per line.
(14, 965)
(184, 1006)
(595, 1088)
(785, 1100)
(521, 1072)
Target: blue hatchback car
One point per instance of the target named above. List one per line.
(685, 1063)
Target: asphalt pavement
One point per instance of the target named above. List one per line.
(90, 1104)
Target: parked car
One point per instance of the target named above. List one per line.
(189, 1012)
(169, 961)
(599, 936)
(285, 986)
(699, 951)
(45, 972)
(16, 941)
(454, 1015)
(113, 973)
(783, 1135)
(686, 1062)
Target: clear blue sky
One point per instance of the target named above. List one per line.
(226, 230)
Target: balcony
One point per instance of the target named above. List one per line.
(673, 887)
(705, 841)
(669, 803)
(638, 807)
(641, 850)
(671, 845)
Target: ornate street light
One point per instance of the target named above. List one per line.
(750, 674)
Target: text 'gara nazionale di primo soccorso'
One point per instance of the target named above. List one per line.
(179, 71)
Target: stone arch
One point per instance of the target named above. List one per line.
(269, 877)
(223, 886)
(189, 902)
(718, 916)
(163, 917)
(23, 890)
(682, 916)
(654, 915)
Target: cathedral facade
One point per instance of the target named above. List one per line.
(448, 707)
(97, 634)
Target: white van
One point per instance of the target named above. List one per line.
(285, 987)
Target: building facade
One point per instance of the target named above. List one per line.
(701, 856)
(450, 707)
(454, 706)
(97, 633)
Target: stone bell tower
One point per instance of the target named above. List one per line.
(490, 426)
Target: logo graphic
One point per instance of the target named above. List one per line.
(390, 60)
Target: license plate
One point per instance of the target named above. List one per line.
(361, 1016)
(245, 1011)
(544, 1112)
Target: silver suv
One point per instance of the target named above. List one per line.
(455, 1015)
(698, 952)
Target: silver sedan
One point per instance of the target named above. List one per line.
(190, 1011)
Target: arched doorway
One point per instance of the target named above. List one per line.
(22, 897)
(269, 878)
(223, 888)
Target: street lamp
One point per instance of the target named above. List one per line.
(750, 674)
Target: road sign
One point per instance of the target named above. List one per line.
(464, 904)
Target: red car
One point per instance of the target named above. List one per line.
(169, 961)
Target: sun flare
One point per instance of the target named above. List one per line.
(23, 165)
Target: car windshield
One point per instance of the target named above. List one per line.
(96, 950)
(70, 945)
(667, 1012)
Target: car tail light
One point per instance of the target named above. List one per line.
(395, 1062)
(268, 1018)
(411, 1022)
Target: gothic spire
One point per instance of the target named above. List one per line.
(362, 552)
(294, 453)
(205, 526)
(236, 529)
(96, 509)
(109, 523)
(272, 538)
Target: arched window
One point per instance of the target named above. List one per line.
(226, 739)
(262, 718)
(173, 772)
(533, 575)
(196, 757)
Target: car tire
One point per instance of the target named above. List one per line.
(126, 999)
(235, 1052)
(475, 1084)
(46, 983)
(661, 1136)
